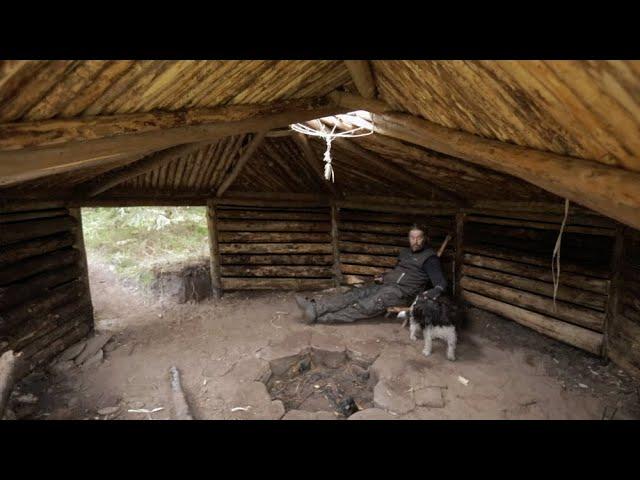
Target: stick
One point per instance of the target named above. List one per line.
(179, 400)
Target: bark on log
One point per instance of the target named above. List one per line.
(362, 75)
(275, 248)
(39, 246)
(275, 271)
(566, 294)
(273, 237)
(230, 283)
(575, 219)
(371, 260)
(565, 332)
(46, 340)
(42, 263)
(22, 216)
(362, 269)
(402, 230)
(377, 239)
(269, 226)
(355, 279)
(609, 232)
(246, 155)
(33, 229)
(276, 259)
(226, 214)
(367, 248)
(583, 317)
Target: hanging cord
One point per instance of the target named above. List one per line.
(328, 138)
(556, 254)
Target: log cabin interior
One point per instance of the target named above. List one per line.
(490, 153)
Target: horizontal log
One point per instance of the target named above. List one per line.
(275, 271)
(273, 237)
(566, 294)
(361, 269)
(543, 274)
(33, 229)
(402, 230)
(357, 247)
(388, 207)
(40, 306)
(67, 144)
(575, 219)
(22, 291)
(388, 200)
(581, 316)
(41, 263)
(565, 332)
(39, 246)
(372, 260)
(44, 340)
(275, 283)
(269, 226)
(609, 232)
(375, 238)
(629, 312)
(347, 215)
(522, 257)
(224, 214)
(355, 279)
(276, 248)
(22, 216)
(276, 259)
(13, 205)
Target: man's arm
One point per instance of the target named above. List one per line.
(434, 269)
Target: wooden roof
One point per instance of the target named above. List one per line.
(67, 126)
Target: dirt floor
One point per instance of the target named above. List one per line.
(503, 371)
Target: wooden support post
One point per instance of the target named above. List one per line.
(337, 273)
(459, 253)
(212, 224)
(82, 261)
(614, 287)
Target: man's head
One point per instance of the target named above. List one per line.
(417, 237)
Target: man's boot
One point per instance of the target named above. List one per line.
(308, 308)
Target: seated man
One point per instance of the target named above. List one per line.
(416, 266)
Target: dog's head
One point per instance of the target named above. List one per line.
(440, 312)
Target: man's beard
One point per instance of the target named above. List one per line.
(417, 248)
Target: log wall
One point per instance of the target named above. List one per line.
(45, 303)
(507, 270)
(623, 332)
(274, 247)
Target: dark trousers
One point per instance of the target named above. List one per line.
(359, 303)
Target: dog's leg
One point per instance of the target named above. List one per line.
(414, 329)
(428, 340)
(452, 340)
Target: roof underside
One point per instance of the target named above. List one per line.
(584, 109)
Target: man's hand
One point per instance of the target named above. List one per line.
(433, 293)
(378, 279)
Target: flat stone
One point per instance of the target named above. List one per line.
(110, 346)
(283, 359)
(304, 415)
(72, 352)
(393, 396)
(251, 370)
(256, 399)
(407, 366)
(95, 360)
(429, 397)
(372, 414)
(62, 367)
(364, 352)
(327, 350)
(94, 345)
(108, 410)
(135, 404)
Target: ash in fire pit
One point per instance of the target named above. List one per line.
(315, 388)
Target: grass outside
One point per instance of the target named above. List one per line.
(133, 240)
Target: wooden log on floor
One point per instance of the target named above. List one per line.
(180, 405)
(33, 229)
(42, 263)
(522, 257)
(38, 214)
(19, 292)
(567, 294)
(274, 271)
(275, 248)
(274, 237)
(565, 332)
(39, 246)
(371, 260)
(362, 269)
(266, 226)
(581, 316)
(276, 259)
(368, 248)
(231, 283)
(41, 305)
(8, 377)
(226, 214)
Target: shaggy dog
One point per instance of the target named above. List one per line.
(436, 319)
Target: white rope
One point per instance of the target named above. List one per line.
(556, 254)
(328, 138)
